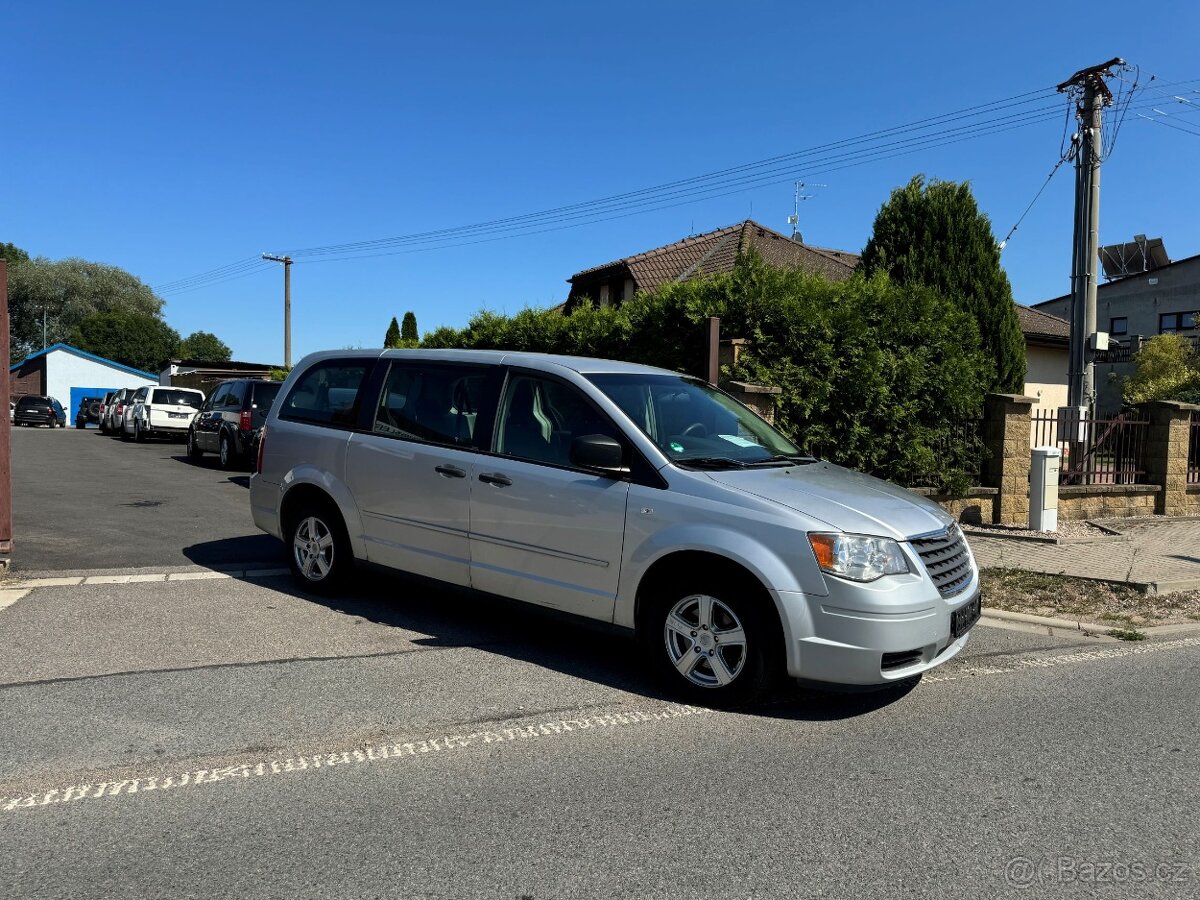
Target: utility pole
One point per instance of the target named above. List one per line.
(1090, 87)
(5, 429)
(287, 305)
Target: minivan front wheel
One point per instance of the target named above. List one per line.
(320, 551)
(710, 642)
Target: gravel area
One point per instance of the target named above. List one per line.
(1065, 530)
(1081, 600)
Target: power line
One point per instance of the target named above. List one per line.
(929, 133)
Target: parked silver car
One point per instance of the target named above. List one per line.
(619, 492)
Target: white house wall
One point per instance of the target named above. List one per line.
(66, 370)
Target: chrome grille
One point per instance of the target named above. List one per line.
(946, 560)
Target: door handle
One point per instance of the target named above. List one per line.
(497, 479)
(450, 471)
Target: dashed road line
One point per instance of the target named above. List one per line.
(359, 755)
(10, 596)
(147, 577)
(1065, 659)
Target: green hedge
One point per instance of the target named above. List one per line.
(874, 376)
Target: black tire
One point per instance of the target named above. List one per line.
(193, 450)
(716, 675)
(225, 451)
(310, 525)
(80, 423)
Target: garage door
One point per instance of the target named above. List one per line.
(77, 395)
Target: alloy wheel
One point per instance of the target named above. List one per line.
(705, 641)
(312, 548)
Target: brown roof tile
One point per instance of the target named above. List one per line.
(1035, 323)
(717, 251)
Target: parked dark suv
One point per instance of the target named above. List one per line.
(88, 412)
(35, 410)
(230, 420)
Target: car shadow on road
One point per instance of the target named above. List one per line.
(247, 551)
(559, 642)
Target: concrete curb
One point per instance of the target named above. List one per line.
(117, 576)
(1046, 625)
(1108, 536)
(1043, 623)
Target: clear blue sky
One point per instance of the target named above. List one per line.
(170, 139)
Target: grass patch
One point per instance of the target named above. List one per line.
(1082, 600)
(1126, 634)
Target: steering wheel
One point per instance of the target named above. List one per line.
(696, 427)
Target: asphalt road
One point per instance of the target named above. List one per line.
(223, 737)
(84, 501)
(413, 742)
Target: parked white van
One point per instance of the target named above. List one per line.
(619, 492)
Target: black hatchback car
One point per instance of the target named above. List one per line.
(229, 421)
(33, 409)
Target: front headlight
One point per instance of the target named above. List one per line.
(858, 557)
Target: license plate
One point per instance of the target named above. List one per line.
(178, 415)
(962, 619)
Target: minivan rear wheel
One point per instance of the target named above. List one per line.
(708, 639)
(319, 549)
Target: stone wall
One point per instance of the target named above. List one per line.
(976, 508)
(1006, 429)
(1106, 501)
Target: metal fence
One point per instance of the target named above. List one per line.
(1104, 450)
(1193, 470)
(958, 452)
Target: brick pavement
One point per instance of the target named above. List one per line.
(1164, 553)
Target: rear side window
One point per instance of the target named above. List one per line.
(327, 394)
(175, 398)
(237, 391)
(264, 393)
(438, 404)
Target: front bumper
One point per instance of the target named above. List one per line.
(872, 634)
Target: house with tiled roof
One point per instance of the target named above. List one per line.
(703, 254)
(1047, 339)
(1145, 293)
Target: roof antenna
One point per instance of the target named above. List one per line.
(794, 218)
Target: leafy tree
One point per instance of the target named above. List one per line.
(408, 331)
(934, 234)
(136, 339)
(13, 255)
(206, 346)
(68, 291)
(392, 338)
(1166, 368)
(875, 375)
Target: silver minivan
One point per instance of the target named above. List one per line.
(619, 492)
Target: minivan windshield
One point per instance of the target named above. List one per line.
(696, 425)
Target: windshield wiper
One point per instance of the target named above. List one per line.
(712, 462)
(796, 460)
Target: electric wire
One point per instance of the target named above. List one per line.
(854, 151)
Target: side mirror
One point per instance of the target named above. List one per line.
(598, 452)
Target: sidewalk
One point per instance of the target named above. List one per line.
(1155, 556)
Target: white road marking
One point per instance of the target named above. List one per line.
(198, 576)
(1066, 659)
(123, 579)
(313, 763)
(10, 596)
(52, 582)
